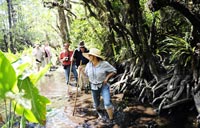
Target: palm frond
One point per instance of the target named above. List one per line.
(179, 49)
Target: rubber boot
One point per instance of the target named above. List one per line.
(110, 113)
(110, 122)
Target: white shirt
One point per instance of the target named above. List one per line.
(97, 74)
(38, 53)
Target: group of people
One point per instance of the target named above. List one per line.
(92, 70)
(72, 60)
(42, 54)
(89, 68)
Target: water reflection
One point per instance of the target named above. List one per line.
(57, 118)
(54, 88)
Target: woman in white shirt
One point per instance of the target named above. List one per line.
(99, 72)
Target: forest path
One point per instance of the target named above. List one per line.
(60, 111)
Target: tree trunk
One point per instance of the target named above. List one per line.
(68, 19)
(9, 2)
(63, 26)
(5, 42)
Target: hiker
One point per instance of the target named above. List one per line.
(47, 51)
(38, 53)
(99, 72)
(66, 58)
(47, 56)
(81, 62)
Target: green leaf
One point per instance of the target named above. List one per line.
(8, 77)
(19, 99)
(36, 77)
(20, 66)
(38, 110)
(11, 57)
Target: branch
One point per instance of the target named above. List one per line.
(56, 4)
(195, 21)
(155, 5)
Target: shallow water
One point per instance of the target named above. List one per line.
(64, 113)
(60, 111)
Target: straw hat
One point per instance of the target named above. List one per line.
(95, 52)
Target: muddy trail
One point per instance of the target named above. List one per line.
(63, 113)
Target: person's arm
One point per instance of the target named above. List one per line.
(108, 77)
(61, 58)
(75, 54)
(110, 71)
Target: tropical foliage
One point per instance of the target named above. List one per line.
(151, 42)
(18, 87)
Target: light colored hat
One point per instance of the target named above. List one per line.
(95, 52)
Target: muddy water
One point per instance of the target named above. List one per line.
(53, 85)
(64, 113)
(60, 111)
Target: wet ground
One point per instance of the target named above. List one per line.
(63, 112)
(67, 112)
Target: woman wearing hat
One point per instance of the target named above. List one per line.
(99, 72)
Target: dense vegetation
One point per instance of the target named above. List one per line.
(151, 42)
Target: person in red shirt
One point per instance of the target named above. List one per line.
(66, 58)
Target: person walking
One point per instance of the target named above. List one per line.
(81, 62)
(38, 53)
(47, 51)
(66, 58)
(47, 56)
(80, 59)
(99, 72)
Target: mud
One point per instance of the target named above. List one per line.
(70, 112)
(64, 113)
(76, 111)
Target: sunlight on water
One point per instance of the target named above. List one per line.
(57, 118)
